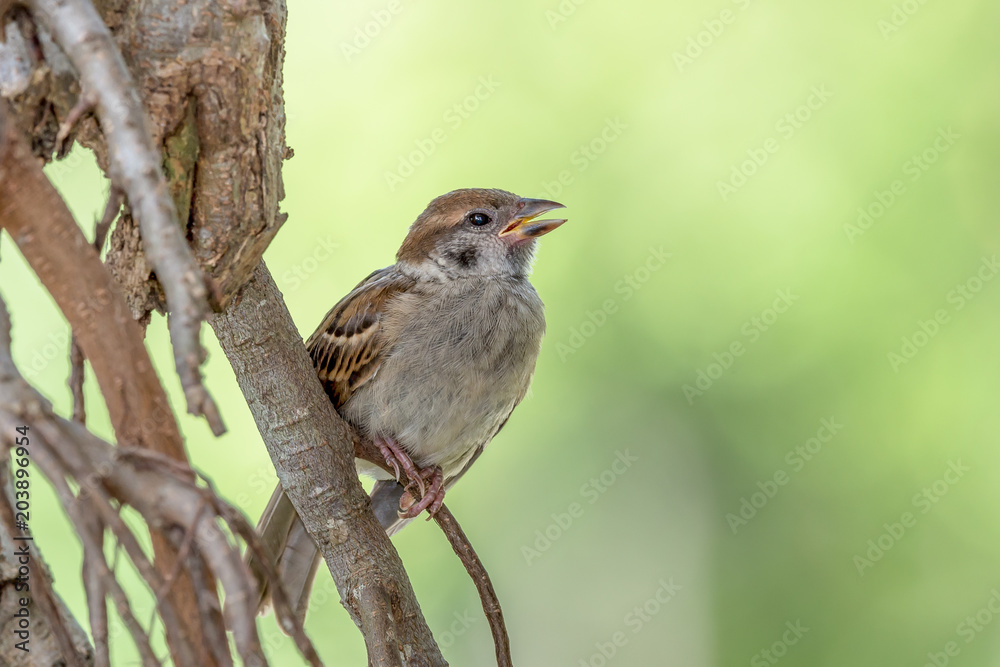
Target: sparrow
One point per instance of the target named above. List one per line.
(428, 358)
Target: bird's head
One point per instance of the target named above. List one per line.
(477, 232)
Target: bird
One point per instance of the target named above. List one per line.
(428, 358)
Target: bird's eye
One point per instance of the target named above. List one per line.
(479, 219)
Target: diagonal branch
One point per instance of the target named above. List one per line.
(313, 451)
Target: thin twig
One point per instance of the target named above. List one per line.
(56, 474)
(208, 610)
(84, 105)
(182, 554)
(111, 210)
(76, 376)
(460, 543)
(481, 578)
(97, 603)
(43, 583)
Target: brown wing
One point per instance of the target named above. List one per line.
(347, 348)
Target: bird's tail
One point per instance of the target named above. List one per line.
(293, 551)
(385, 503)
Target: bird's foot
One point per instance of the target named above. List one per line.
(397, 458)
(431, 499)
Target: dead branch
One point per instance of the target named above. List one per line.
(44, 230)
(58, 637)
(163, 491)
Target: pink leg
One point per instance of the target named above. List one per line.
(431, 498)
(397, 458)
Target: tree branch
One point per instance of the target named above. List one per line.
(312, 450)
(481, 578)
(53, 636)
(166, 494)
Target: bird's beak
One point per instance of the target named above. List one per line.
(524, 226)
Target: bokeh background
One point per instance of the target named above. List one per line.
(775, 306)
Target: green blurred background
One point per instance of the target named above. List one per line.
(731, 538)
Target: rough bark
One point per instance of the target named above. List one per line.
(209, 74)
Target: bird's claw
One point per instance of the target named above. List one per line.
(431, 498)
(395, 457)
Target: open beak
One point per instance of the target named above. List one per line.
(524, 226)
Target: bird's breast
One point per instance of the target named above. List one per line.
(460, 356)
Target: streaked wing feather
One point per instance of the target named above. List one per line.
(347, 348)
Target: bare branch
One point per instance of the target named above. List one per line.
(282, 607)
(66, 646)
(91, 546)
(313, 451)
(76, 376)
(76, 358)
(166, 494)
(36, 217)
(97, 593)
